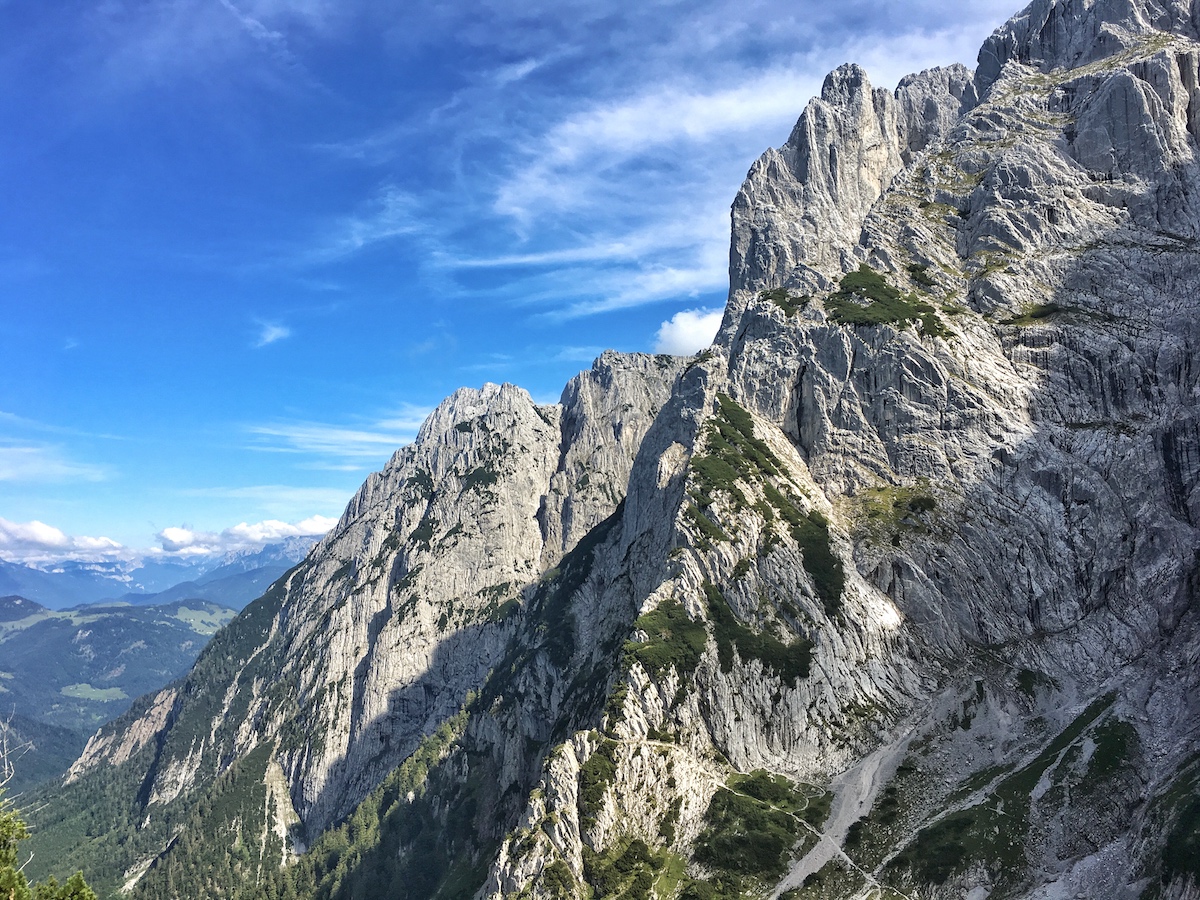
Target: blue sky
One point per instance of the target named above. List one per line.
(247, 244)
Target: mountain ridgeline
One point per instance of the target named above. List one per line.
(890, 593)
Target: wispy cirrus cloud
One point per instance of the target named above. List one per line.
(132, 44)
(269, 333)
(575, 160)
(23, 462)
(621, 197)
(567, 160)
(390, 214)
(341, 447)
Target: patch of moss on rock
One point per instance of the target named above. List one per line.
(864, 297)
(673, 640)
(811, 533)
(790, 661)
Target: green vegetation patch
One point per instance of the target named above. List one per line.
(735, 453)
(413, 837)
(810, 803)
(709, 530)
(673, 640)
(422, 482)
(888, 511)
(673, 873)
(14, 885)
(558, 881)
(503, 602)
(864, 297)
(715, 473)
(811, 533)
(1116, 743)
(785, 300)
(99, 823)
(627, 870)
(870, 839)
(1035, 314)
(204, 621)
(480, 477)
(595, 777)
(1181, 850)
(746, 840)
(790, 661)
(85, 691)
(919, 272)
(224, 840)
(422, 535)
(834, 879)
(994, 831)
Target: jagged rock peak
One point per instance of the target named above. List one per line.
(799, 213)
(1052, 34)
(471, 403)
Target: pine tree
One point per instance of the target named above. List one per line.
(13, 883)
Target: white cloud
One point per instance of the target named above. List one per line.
(688, 331)
(182, 541)
(44, 463)
(38, 543)
(270, 333)
(583, 152)
(390, 214)
(515, 72)
(173, 538)
(136, 43)
(629, 184)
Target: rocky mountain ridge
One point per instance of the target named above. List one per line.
(891, 593)
(233, 579)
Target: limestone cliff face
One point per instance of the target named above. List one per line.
(801, 209)
(890, 593)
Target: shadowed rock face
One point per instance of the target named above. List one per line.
(919, 530)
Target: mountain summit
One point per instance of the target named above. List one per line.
(891, 593)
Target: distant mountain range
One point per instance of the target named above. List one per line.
(232, 579)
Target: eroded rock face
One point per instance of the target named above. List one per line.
(798, 216)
